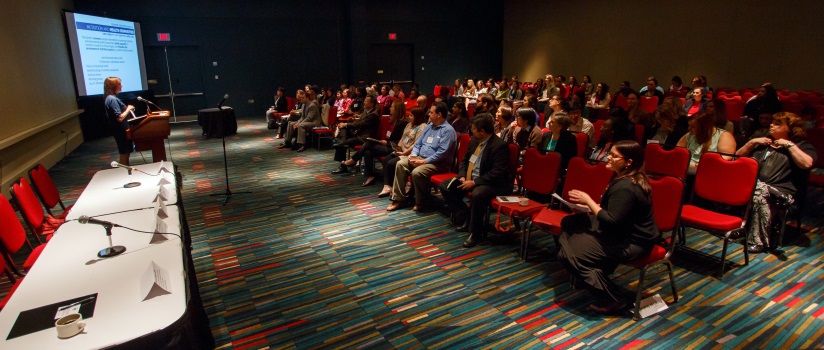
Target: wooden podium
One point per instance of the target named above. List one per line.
(149, 134)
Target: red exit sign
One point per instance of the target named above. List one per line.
(164, 37)
(393, 36)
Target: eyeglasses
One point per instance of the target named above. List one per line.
(613, 156)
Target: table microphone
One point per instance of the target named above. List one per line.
(112, 250)
(223, 100)
(115, 164)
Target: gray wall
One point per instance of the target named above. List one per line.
(733, 43)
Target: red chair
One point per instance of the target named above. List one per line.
(12, 238)
(470, 110)
(541, 120)
(639, 133)
(666, 208)
(40, 224)
(437, 90)
(621, 101)
(673, 162)
(538, 175)
(329, 131)
(735, 108)
(291, 102)
(649, 104)
(596, 129)
(582, 140)
(591, 179)
(714, 182)
(463, 145)
(47, 191)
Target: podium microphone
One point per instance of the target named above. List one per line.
(219, 105)
(147, 102)
(112, 250)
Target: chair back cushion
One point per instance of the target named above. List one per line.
(672, 162)
(45, 186)
(540, 172)
(667, 193)
(463, 145)
(725, 181)
(28, 204)
(12, 234)
(592, 179)
(583, 140)
(383, 127)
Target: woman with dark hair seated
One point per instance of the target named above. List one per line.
(372, 148)
(459, 118)
(718, 108)
(618, 230)
(416, 122)
(704, 137)
(526, 135)
(665, 129)
(784, 160)
(600, 98)
(635, 113)
(559, 139)
(697, 102)
(504, 121)
(556, 104)
(677, 89)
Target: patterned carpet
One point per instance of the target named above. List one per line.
(312, 260)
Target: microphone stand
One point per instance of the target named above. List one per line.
(133, 183)
(228, 192)
(112, 250)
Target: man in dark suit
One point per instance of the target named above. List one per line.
(355, 133)
(485, 173)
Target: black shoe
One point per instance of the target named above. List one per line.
(464, 227)
(755, 248)
(284, 145)
(341, 170)
(472, 240)
(302, 148)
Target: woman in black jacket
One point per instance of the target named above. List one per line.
(618, 230)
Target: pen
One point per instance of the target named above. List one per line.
(81, 302)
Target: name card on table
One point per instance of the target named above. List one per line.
(165, 179)
(163, 193)
(155, 282)
(160, 229)
(164, 167)
(160, 209)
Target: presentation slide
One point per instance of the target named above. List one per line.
(104, 47)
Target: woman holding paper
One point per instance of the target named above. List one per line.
(620, 229)
(118, 114)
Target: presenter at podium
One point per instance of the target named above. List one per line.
(118, 115)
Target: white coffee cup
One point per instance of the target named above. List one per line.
(523, 201)
(69, 325)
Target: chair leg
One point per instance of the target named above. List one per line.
(525, 239)
(724, 257)
(637, 314)
(672, 281)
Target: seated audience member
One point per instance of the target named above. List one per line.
(416, 122)
(384, 100)
(323, 98)
(620, 229)
(652, 89)
(578, 101)
(665, 129)
(356, 106)
(432, 154)
(697, 102)
(480, 86)
(309, 118)
(515, 92)
(411, 100)
(526, 135)
(604, 144)
(589, 88)
(356, 132)
(624, 89)
(397, 93)
(539, 88)
(573, 86)
(704, 137)
(531, 101)
(622, 128)
(294, 114)
(581, 124)
(279, 107)
(600, 98)
(765, 102)
(718, 108)
(378, 147)
(371, 90)
(491, 89)
(635, 113)
(559, 139)
(470, 93)
(504, 122)
(784, 158)
(556, 104)
(459, 88)
(548, 92)
(459, 118)
(762, 129)
(344, 103)
(677, 88)
(484, 172)
(485, 103)
(503, 92)
(562, 89)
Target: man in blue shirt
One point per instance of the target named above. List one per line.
(432, 154)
